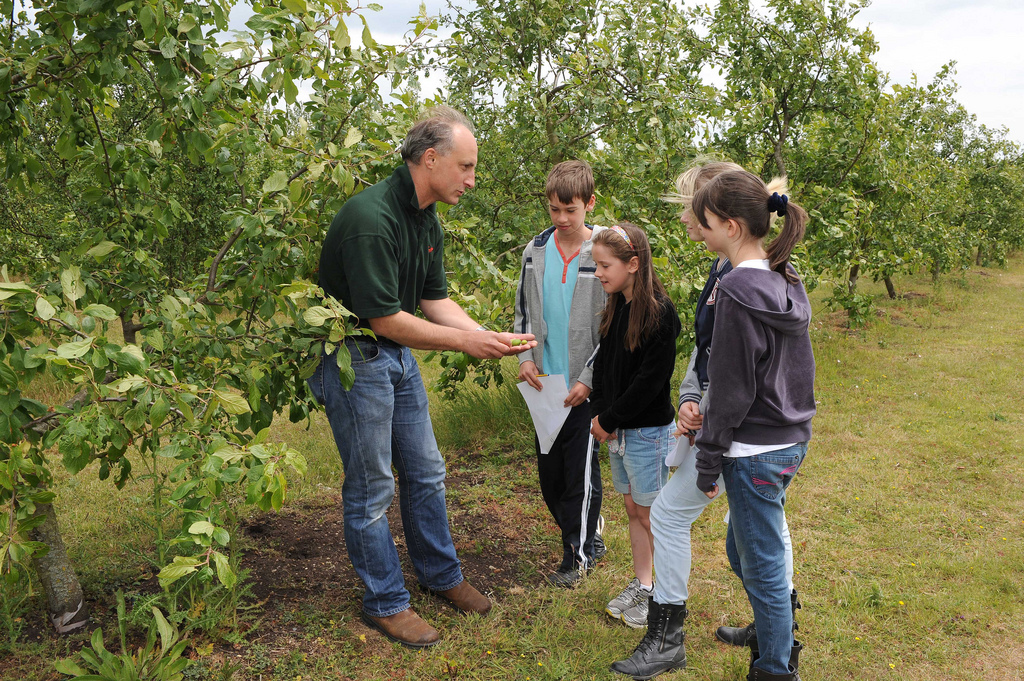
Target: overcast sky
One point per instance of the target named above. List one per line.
(984, 37)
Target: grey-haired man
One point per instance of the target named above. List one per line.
(383, 258)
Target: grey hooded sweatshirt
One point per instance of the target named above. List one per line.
(760, 370)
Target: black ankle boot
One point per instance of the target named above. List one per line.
(794, 665)
(761, 675)
(737, 636)
(747, 636)
(794, 654)
(661, 649)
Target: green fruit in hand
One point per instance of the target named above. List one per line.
(516, 341)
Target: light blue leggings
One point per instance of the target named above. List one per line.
(678, 505)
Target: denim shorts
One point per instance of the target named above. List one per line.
(638, 467)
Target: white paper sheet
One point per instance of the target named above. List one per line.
(547, 408)
(681, 453)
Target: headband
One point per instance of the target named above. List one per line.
(777, 204)
(621, 232)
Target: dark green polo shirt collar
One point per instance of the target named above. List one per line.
(406, 189)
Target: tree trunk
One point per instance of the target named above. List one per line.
(936, 270)
(977, 260)
(890, 288)
(851, 282)
(128, 326)
(780, 161)
(64, 600)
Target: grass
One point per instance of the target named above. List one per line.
(907, 519)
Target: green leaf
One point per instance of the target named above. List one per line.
(291, 91)
(201, 527)
(224, 572)
(183, 489)
(176, 570)
(347, 377)
(102, 249)
(74, 349)
(125, 384)
(100, 312)
(221, 536)
(340, 35)
(170, 451)
(295, 191)
(317, 315)
(232, 403)
(134, 419)
(296, 6)
(353, 137)
(44, 310)
(11, 289)
(186, 24)
(155, 339)
(8, 378)
(97, 642)
(148, 20)
(277, 498)
(276, 182)
(71, 283)
(185, 408)
(158, 412)
(167, 634)
(68, 667)
(168, 47)
(368, 42)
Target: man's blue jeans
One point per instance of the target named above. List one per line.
(383, 421)
(756, 489)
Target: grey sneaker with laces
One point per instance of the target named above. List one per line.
(630, 596)
(636, 616)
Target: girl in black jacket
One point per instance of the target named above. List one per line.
(631, 401)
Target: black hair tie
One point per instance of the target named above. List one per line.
(777, 204)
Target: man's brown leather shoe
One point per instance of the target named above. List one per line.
(466, 599)
(404, 627)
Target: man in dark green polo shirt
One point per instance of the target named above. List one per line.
(383, 258)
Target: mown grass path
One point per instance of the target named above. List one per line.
(907, 518)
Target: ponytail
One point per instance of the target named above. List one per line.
(793, 228)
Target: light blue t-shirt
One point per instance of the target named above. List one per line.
(559, 284)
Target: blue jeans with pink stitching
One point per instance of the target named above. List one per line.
(756, 488)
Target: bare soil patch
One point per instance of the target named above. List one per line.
(299, 560)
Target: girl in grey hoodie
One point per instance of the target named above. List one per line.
(760, 399)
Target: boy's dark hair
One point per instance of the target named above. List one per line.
(744, 197)
(570, 180)
(649, 294)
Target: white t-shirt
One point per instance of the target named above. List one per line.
(738, 450)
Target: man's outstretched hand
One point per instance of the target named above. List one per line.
(492, 345)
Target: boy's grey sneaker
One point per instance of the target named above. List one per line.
(630, 596)
(567, 579)
(636, 616)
